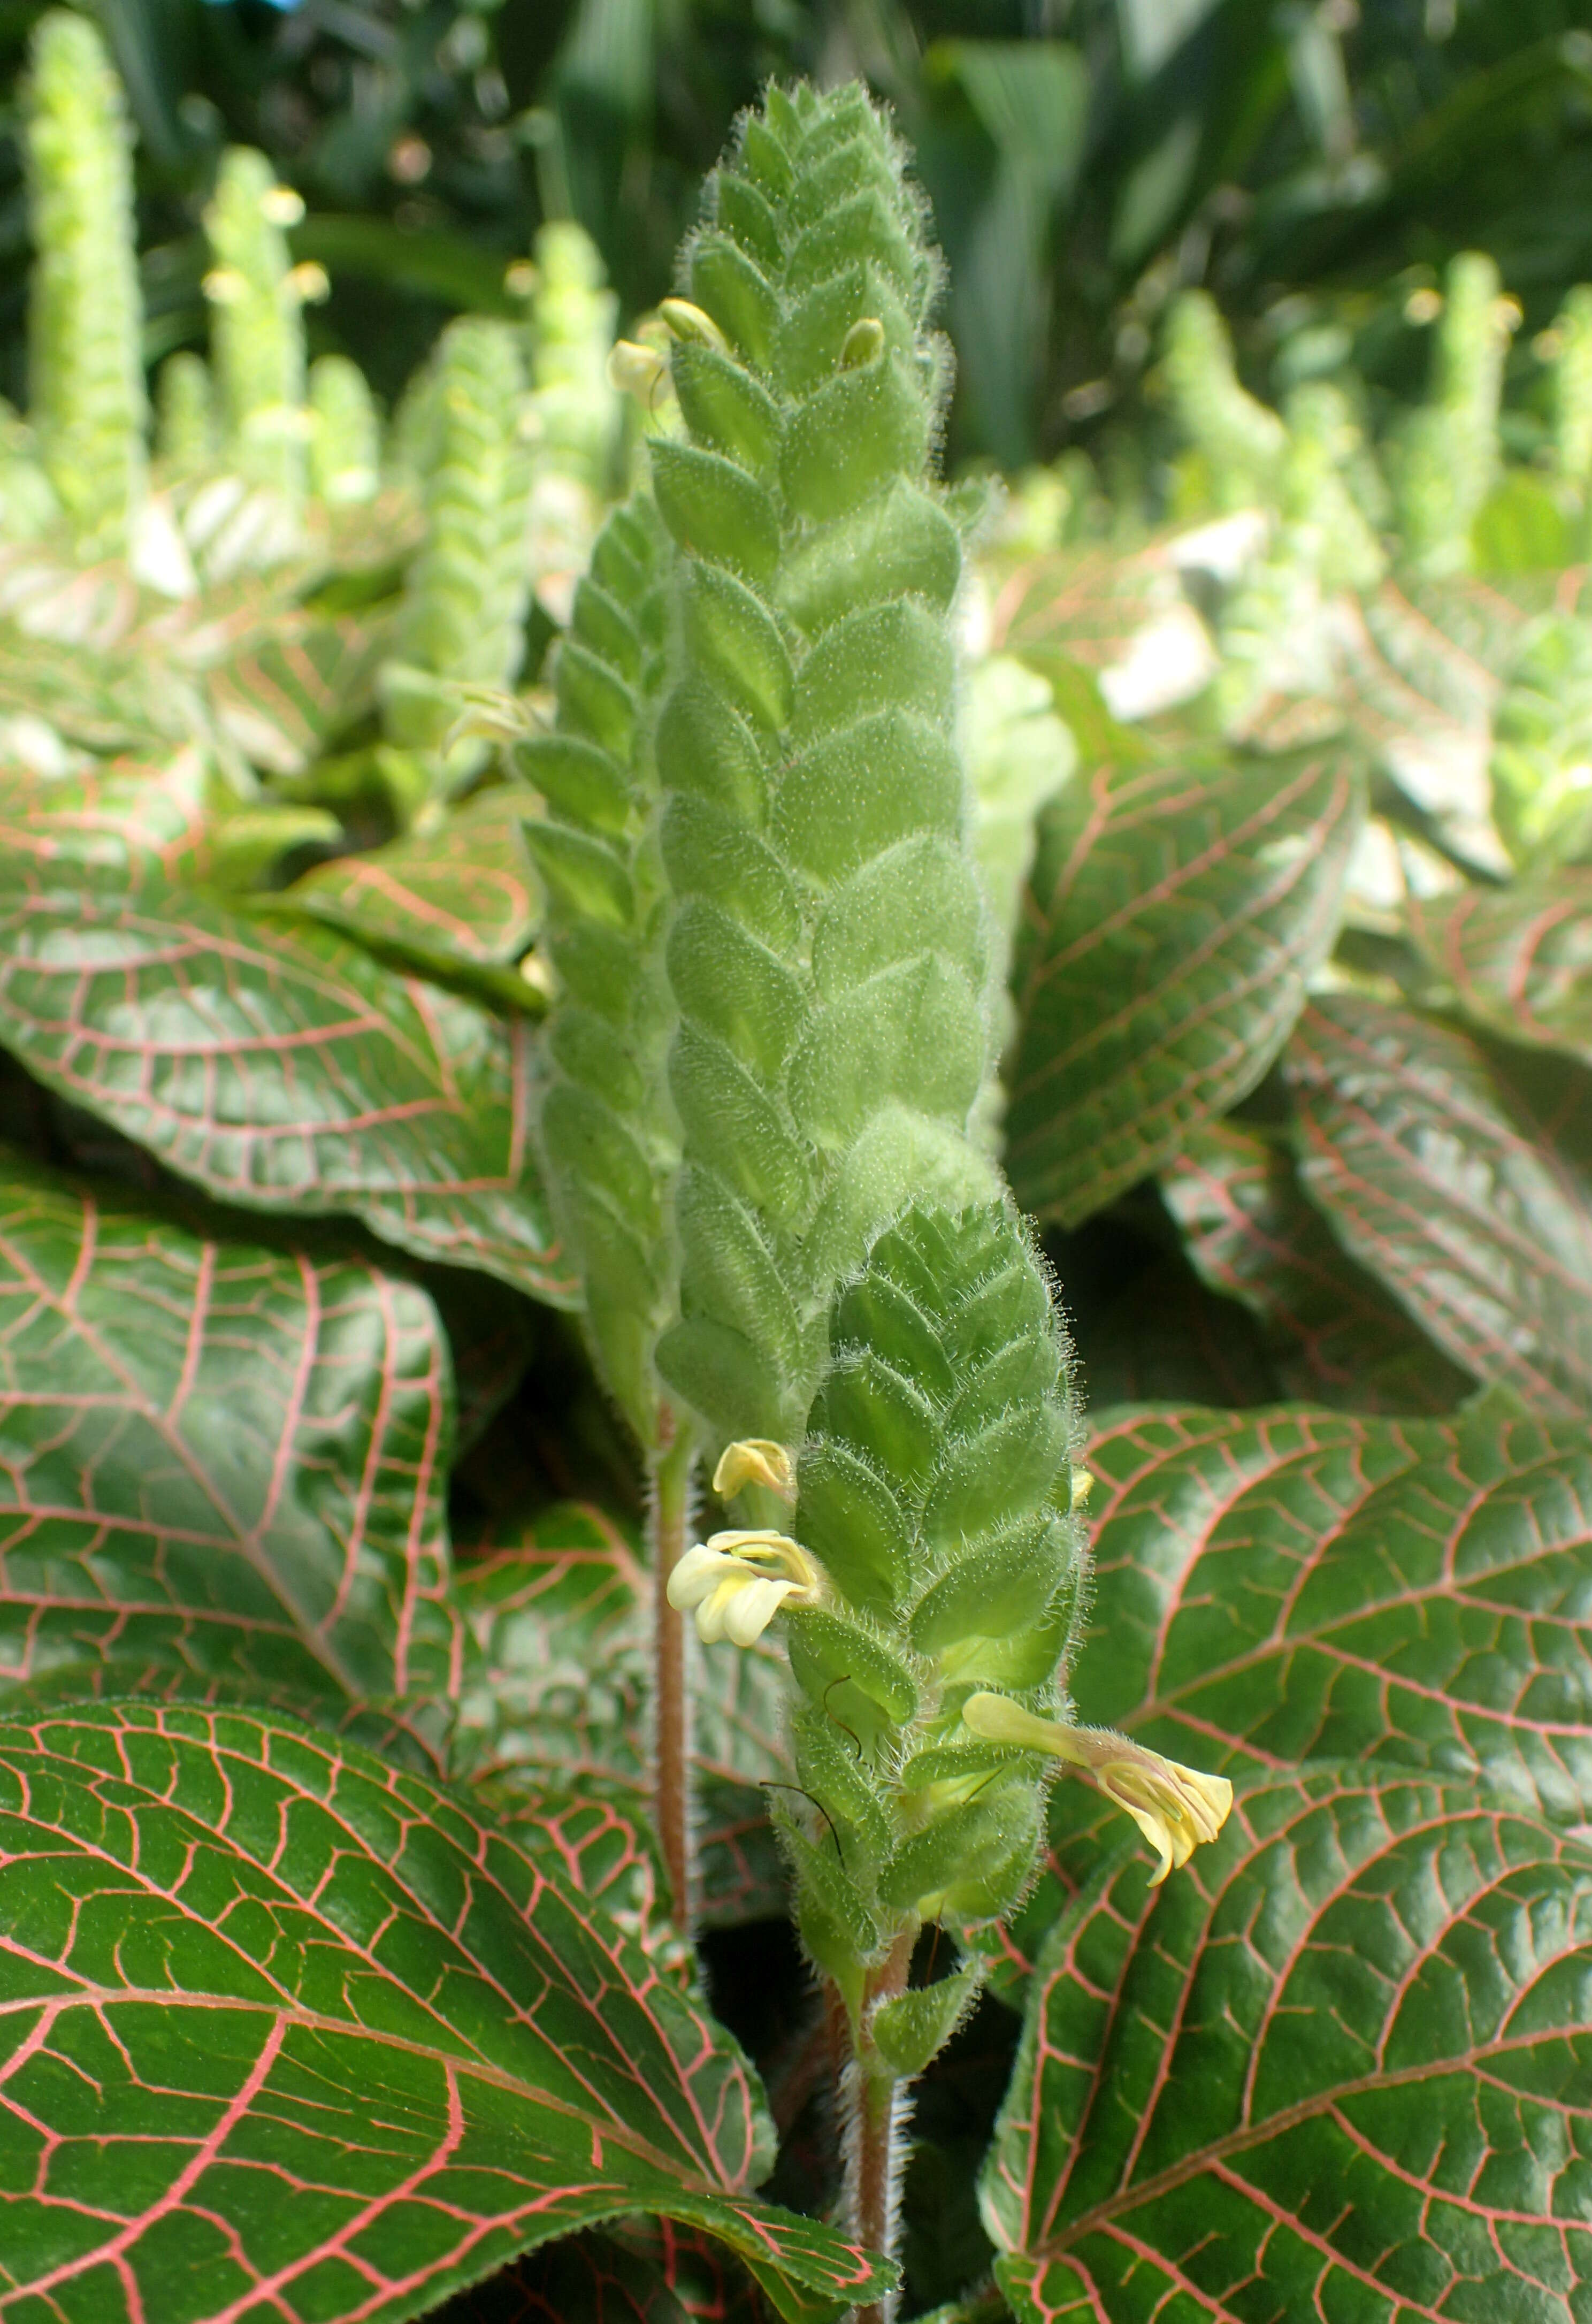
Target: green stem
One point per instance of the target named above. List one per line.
(669, 1513)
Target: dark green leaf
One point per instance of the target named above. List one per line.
(1300, 1584)
(296, 2033)
(1466, 1194)
(1333, 1334)
(284, 1069)
(563, 1620)
(1338, 2067)
(221, 1467)
(1174, 914)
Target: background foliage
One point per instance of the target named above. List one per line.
(324, 1622)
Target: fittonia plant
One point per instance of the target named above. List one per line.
(774, 1030)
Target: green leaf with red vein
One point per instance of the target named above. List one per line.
(288, 689)
(1298, 1584)
(641, 2271)
(1517, 959)
(461, 896)
(292, 2033)
(126, 821)
(1332, 1332)
(563, 1621)
(221, 1466)
(1462, 1181)
(1173, 916)
(1338, 2067)
(283, 1069)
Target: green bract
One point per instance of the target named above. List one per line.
(934, 1488)
(827, 948)
(606, 1132)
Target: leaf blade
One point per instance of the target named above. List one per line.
(415, 2054)
(1198, 899)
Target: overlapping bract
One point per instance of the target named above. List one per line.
(934, 1488)
(828, 952)
(606, 1130)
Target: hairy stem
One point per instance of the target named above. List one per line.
(669, 1514)
(876, 2116)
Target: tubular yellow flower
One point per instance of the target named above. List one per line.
(755, 1461)
(736, 1582)
(1175, 1807)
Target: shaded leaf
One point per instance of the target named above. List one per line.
(221, 1466)
(563, 1621)
(1465, 1193)
(1339, 2067)
(463, 893)
(359, 2050)
(1517, 959)
(283, 1069)
(1174, 913)
(641, 2271)
(1333, 1334)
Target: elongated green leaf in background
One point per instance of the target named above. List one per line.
(1338, 2068)
(1518, 960)
(1462, 1182)
(293, 2031)
(1333, 1334)
(462, 895)
(1174, 913)
(563, 1621)
(283, 1068)
(219, 1464)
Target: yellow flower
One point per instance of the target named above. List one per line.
(738, 1582)
(755, 1461)
(1175, 1807)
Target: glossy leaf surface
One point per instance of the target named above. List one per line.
(1174, 915)
(1299, 1584)
(221, 1465)
(1337, 2068)
(292, 2027)
(1518, 959)
(1334, 1334)
(282, 1069)
(1459, 1181)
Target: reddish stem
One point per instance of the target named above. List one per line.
(875, 2113)
(668, 1524)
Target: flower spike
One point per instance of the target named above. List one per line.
(738, 1582)
(1175, 1807)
